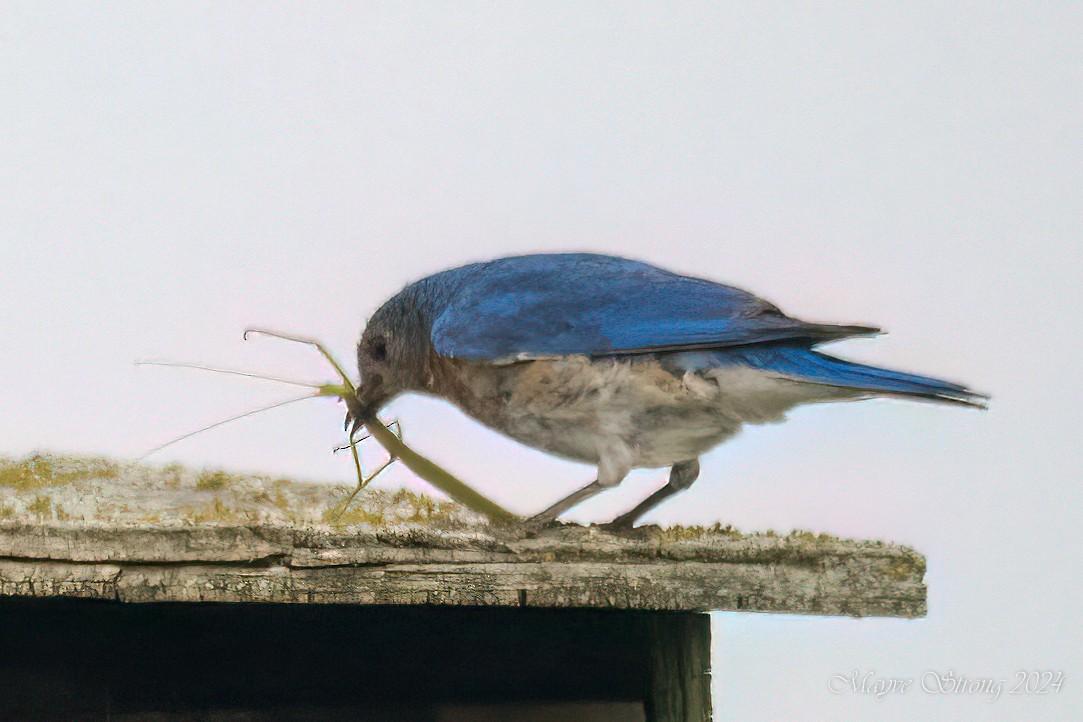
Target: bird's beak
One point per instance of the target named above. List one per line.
(355, 414)
(368, 400)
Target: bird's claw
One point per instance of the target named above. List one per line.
(624, 522)
(538, 524)
(617, 526)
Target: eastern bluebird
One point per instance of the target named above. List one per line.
(611, 361)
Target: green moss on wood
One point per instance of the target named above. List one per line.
(905, 567)
(42, 506)
(39, 471)
(694, 532)
(212, 480)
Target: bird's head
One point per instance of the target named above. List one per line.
(393, 353)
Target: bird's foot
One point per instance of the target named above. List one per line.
(622, 523)
(537, 524)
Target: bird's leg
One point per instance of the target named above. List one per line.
(681, 477)
(612, 468)
(566, 503)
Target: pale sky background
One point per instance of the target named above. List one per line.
(170, 173)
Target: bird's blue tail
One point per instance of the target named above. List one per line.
(804, 364)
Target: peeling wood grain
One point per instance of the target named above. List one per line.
(570, 566)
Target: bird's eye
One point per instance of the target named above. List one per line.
(378, 350)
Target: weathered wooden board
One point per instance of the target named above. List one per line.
(570, 566)
(140, 534)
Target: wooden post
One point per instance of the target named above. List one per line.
(680, 668)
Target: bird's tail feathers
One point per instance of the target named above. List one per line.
(803, 364)
(827, 332)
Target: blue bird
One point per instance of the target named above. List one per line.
(612, 362)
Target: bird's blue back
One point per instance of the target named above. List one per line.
(561, 304)
(553, 305)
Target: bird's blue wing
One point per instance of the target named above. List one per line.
(555, 305)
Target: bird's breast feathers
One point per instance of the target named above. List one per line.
(575, 405)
